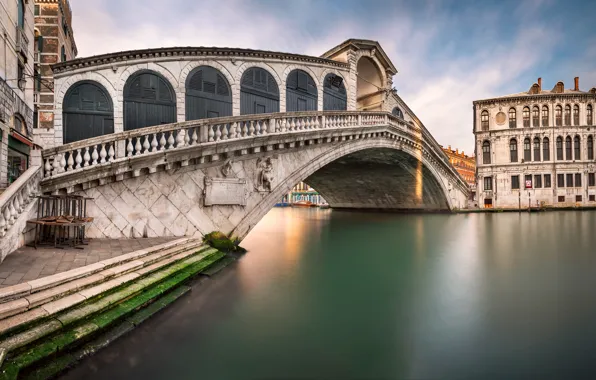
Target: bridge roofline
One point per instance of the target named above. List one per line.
(188, 51)
(358, 44)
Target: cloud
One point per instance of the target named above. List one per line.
(447, 53)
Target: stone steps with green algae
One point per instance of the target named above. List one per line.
(98, 314)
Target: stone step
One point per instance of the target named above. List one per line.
(54, 300)
(10, 293)
(46, 349)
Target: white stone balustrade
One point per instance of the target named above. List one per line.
(109, 148)
(17, 196)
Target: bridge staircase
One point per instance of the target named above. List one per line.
(49, 323)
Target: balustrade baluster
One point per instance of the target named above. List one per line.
(162, 141)
(195, 136)
(69, 162)
(187, 136)
(257, 127)
(7, 215)
(233, 127)
(251, 129)
(78, 159)
(146, 144)
(171, 140)
(180, 138)
(224, 132)
(86, 157)
(103, 154)
(111, 152)
(154, 142)
(94, 155)
(20, 202)
(2, 225)
(138, 146)
(56, 164)
(316, 122)
(292, 124)
(217, 132)
(13, 212)
(129, 148)
(211, 133)
(48, 168)
(284, 125)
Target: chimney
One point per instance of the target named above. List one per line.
(457, 150)
(449, 147)
(540, 84)
(576, 79)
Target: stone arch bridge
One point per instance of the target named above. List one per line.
(226, 173)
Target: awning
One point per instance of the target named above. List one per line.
(16, 135)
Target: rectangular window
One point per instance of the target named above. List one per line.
(515, 182)
(36, 10)
(591, 179)
(560, 180)
(592, 198)
(578, 179)
(488, 183)
(578, 198)
(561, 198)
(547, 180)
(537, 181)
(569, 180)
(21, 75)
(528, 181)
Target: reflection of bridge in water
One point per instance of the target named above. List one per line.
(184, 141)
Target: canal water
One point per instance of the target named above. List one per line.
(325, 294)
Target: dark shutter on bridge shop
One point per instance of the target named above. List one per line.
(87, 112)
(148, 100)
(259, 92)
(208, 94)
(397, 112)
(301, 92)
(335, 97)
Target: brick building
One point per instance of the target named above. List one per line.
(54, 43)
(464, 164)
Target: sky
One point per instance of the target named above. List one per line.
(448, 53)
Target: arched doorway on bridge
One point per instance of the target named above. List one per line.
(149, 100)
(369, 85)
(259, 92)
(208, 94)
(301, 92)
(335, 97)
(87, 111)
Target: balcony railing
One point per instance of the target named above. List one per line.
(21, 41)
(11, 103)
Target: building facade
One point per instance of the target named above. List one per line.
(16, 89)
(302, 192)
(54, 43)
(464, 164)
(536, 148)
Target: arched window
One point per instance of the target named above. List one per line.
(301, 92)
(567, 114)
(484, 120)
(536, 144)
(20, 125)
(590, 147)
(545, 149)
(513, 150)
(559, 148)
(526, 115)
(512, 118)
(486, 152)
(397, 113)
(568, 149)
(208, 94)
(589, 117)
(576, 115)
(527, 150)
(536, 116)
(21, 15)
(259, 92)
(545, 116)
(558, 116)
(576, 148)
(87, 112)
(149, 100)
(335, 97)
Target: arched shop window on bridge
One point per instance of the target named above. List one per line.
(87, 112)
(301, 92)
(208, 94)
(259, 92)
(397, 112)
(335, 97)
(149, 100)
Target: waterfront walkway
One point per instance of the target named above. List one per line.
(28, 263)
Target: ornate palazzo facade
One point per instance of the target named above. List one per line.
(536, 148)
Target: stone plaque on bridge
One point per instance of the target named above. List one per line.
(225, 191)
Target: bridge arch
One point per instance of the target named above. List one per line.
(149, 99)
(370, 83)
(421, 171)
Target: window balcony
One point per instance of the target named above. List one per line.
(22, 42)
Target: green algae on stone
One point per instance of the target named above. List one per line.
(69, 337)
(51, 369)
(142, 315)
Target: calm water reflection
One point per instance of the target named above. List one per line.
(346, 295)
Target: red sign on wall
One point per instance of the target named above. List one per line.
(528, 184)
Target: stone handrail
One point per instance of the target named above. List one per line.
(18, 195)
(109, 148)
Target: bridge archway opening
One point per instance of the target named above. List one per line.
(208, 94)
(259, 92)
(149, 100)
(87, 112)
(369, 85)
(335, 97)
(301, 92)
